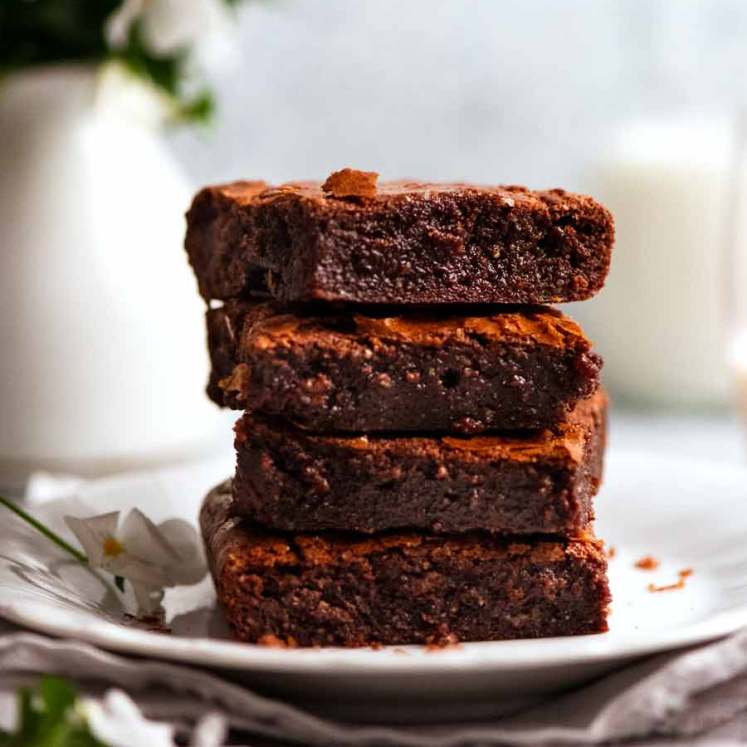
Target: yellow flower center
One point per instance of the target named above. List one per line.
(113, 547)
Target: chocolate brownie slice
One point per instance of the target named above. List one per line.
(433, 371)
(339, 590)
(540, 482)
(400, 243)
(224, 329)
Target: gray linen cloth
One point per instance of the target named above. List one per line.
(696, 696)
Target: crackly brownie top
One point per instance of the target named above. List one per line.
(266, 327)
(351, 238)
(389, 192)
(236, 544)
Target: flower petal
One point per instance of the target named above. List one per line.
(92, 533)
(136, 569)
(144, 540)
(117, 27)
(183, 538)
(148, 598)
(210, 731)
(172, 26)
(117, 721)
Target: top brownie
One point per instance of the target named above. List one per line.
(401, 242)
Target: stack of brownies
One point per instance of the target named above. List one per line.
(421, 442)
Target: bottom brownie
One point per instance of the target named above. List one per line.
(335, 589)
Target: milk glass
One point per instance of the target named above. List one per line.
(736, 258)
(676, 300)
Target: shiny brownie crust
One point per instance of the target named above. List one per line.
(338, 590)
(435, 371)
(408, 243)
(539, 482)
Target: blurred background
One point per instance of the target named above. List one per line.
(480, 90)
(634, 102)
(638, 102)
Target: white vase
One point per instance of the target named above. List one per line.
(102, 354)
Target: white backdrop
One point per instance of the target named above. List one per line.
(475, 89)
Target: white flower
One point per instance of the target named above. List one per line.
(210, 731)
(169, 26)
(150, 557)
(119, 22)
(118, 722)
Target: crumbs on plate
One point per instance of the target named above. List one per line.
(647, 563)
(150, 623)
(272, 641)
(679, 584)
(443, 642)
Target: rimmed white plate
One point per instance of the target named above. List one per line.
(687, 514)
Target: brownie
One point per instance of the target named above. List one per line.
(540, 482)
(431, 371)
(341, 590)
(224, 326)
(398, 243)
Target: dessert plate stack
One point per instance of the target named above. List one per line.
(422, 440)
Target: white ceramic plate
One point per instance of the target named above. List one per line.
(687, 514)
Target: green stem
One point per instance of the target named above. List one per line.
(54, 537)
(48, 533)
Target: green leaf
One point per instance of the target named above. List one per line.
(119, 582)
(168, 74)
(163, 72)
(28, 719)
(46, 31)
(49, 717)
(34, 32)
(199, 109)
(57, 696)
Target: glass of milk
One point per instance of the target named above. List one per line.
(674, 310)
(736, 248)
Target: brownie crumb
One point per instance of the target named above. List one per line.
(149, 623)
(439, 644)
(611, 552)
(272, 641)
(647, 563)
(351, 183)
(236, 381)
(679, 584)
